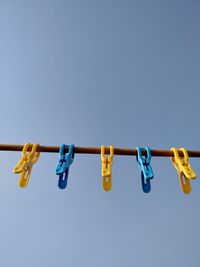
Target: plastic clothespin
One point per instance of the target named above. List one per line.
(62, 169)
(24, 166)
(145, 167)
(106, 170)
(184, 169)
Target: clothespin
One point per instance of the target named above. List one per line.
(64, 163)
(145, 167)
(24, 166)
(184, 169)
(106, 169)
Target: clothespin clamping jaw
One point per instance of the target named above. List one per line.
(62, 169)
(24, 166)
(145, 167)
(184, 169)
(106, 169)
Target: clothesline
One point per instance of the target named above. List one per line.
(97, 150)
(31, 153)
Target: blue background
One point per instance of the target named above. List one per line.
(99, 72)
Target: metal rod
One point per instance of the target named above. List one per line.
(97, 150)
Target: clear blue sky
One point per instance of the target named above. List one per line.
(99, 72)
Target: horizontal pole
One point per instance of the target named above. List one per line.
(97, 150)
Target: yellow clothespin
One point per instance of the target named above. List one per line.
(106, 170)
(24, 166)
(184, 169)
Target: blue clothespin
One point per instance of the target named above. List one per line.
(64, 163)
(145, 167)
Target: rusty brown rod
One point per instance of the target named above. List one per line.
(97, 150)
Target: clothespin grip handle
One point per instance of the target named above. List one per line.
(24, 166)
(62, 169)
(107, 167)
(145, 167)
(184, 169)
